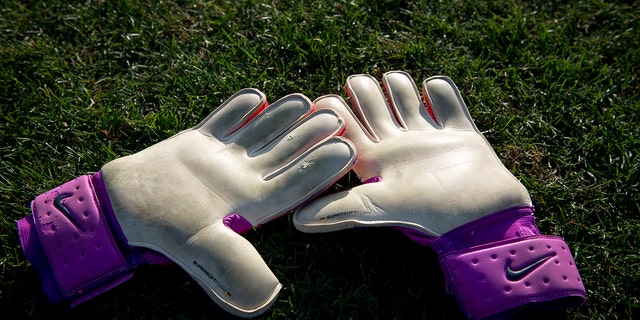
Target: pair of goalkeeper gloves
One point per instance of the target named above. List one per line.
(426, 170)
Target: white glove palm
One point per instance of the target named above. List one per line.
(433, 176)
(173, 196)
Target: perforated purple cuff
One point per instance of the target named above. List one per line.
(69, 239)
(497, 265)
(498, 278)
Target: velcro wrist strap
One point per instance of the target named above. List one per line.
(496, 279)
(69, 242)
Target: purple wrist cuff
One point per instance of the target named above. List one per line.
(75, 243)
(496, 279)
(511, 223)
(498, 264)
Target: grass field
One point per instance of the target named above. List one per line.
(552, 84)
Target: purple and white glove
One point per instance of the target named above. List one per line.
(187, 198)
(429, 172)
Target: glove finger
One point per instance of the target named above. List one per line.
(229, 269)
(317, 127)
(342, 210)
(233, 113)
(308, 174)
(355, 132)
(271, 123)
(442, 95)
(371, 106)
(406, 101)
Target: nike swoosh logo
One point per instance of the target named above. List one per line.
(57, 202)
(515, 275)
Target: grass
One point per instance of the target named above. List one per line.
(552, 84)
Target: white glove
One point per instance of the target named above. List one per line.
(187, 198)
(428, 171)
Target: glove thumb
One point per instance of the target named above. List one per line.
(342, 210)
(230, 270)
